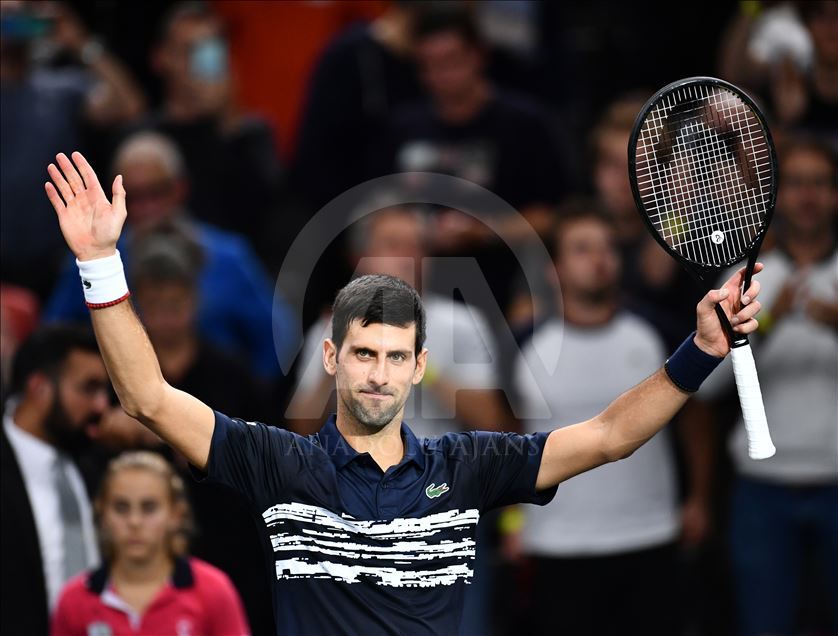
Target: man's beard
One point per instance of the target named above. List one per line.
(599, 295)
(66, 437)
(373, 418)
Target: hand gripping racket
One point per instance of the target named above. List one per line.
(704, 176)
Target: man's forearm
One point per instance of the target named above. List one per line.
(180, 419)
(634, 417)
(118, 99)
(130, 359)
(625, 425)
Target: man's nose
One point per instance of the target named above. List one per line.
(101, 402)
(379, 374)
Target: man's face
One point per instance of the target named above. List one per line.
(154, 195)
(374, 371)
(80, 399)
(395, 246)
(449, 66)
(588, 262)
(807, 197)
(174, 57)
(823, 26)
(168, 310)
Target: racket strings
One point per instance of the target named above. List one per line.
(704, 173)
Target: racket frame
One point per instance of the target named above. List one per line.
(701, 273)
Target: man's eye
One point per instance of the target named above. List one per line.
(363, 354)
(397, 356)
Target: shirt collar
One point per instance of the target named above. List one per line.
(341, 453)
(182, 577)
(29, 449)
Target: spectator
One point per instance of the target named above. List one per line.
(41, 109)
(453, 397)
(760, 36)
(146, 585)
(357, 85)
(610, 539)
(230, 155)
(237, 311)
(781, 504)
(360, 80)
(306, 28)
(165, 272)
(808, 101)
(59, 392)
(654, 285)
(472, 130)
(165, 269)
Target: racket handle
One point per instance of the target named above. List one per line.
(760, 445)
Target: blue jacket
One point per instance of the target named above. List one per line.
(237, 309)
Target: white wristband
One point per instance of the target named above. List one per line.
(103, 281)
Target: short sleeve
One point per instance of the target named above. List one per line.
(225, 612)
(506, 465)
(253, 459)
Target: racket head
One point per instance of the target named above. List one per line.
(703, 172)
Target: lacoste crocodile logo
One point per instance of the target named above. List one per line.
(434, 491)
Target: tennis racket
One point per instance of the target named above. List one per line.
(704, 176)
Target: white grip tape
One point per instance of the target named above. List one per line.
(103, 279)
(760, 445)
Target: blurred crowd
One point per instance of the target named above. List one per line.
(234, 123)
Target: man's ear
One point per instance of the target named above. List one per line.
(40, 388)
(330, 357)
(421, 363)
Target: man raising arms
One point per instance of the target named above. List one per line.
(362, 518)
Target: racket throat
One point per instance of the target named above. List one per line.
(735, 340)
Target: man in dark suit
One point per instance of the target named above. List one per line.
(59, 393)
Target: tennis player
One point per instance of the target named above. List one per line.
(368, 531)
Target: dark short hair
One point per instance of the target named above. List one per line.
(448, 17)
(166, 255)
(807, 144)
(185, 10)
(378, 299)
(574, 209)
(47, 349)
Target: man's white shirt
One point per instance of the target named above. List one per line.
(37, 459)
(622, 506)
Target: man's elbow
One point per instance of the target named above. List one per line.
(617, 452)
(146, 407)
(615, 447)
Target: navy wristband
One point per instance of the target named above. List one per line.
(689, 366)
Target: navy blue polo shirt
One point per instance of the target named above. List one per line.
(354, 550)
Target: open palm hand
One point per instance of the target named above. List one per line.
(89, 222)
